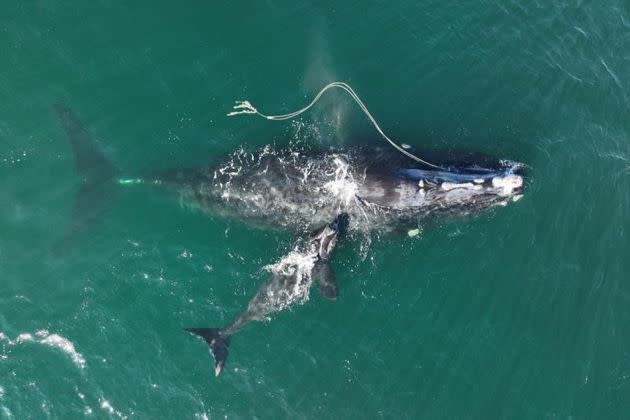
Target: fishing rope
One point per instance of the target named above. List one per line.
(245, 107)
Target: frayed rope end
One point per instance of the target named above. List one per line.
(243, 107)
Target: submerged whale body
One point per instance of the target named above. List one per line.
(325, 193)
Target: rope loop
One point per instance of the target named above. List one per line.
(245, 107)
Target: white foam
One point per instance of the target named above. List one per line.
(22, 338)
(106, 406)
(343, 185)
(300, 266)
(51, 340)
(65, 345)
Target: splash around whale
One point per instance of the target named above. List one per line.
(317, 195)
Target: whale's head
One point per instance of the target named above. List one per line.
(508, 183)
(463, 189)
(340, 224)
(325, 239)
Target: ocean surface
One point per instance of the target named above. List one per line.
(522, 312)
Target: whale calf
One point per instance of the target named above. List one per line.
(323, 192)
(289, 283)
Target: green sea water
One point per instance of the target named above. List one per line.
(523, 312)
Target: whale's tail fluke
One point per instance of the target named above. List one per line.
(97, 190)
(218, 342)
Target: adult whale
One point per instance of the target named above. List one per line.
(333, 191)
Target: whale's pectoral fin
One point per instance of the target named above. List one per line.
(218, 343)
(326, 280)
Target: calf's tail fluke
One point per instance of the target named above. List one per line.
(96, 191)
(218, 342)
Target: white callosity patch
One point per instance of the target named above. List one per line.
(412, 233)
(507, 184)
(447, 186)
(51, 340)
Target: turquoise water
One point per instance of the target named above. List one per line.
(523, 312)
